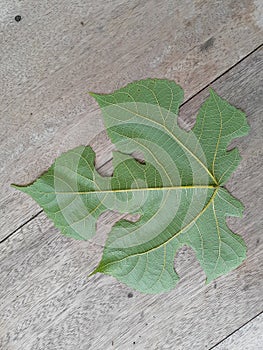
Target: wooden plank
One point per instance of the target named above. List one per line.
(56, 53)
(249, 337)
(48, 302)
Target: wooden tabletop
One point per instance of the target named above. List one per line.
(51, 54)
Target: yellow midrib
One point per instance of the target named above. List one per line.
(174, 137)
(187, 187)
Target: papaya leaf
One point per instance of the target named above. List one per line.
(178, 191)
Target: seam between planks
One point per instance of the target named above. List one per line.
(229, 335)
(185, 102)
(222, 74)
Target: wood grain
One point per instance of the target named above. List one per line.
(57, 52)
(249, 337)
(48, 302)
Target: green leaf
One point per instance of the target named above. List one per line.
(178, 192)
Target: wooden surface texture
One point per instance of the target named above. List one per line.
(250, 336)
(49, 60)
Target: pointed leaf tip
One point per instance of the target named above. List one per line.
(91, 93)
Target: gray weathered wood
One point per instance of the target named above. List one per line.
(249, 337)
(48, 302)
(60, 50)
